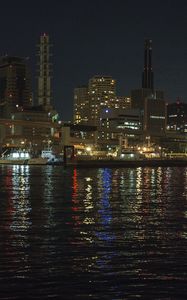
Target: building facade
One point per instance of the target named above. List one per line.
(154, 117)
(102, 91)
(177, 117)
(89, 101)
(81, 105)
(122, 102)
(15, 83)
(117, 123)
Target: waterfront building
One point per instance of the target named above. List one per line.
(152, 106)
(82, 138)
(44, 77)
(117, 124)
(177, 116)
(15, 84)
(154, 117)
(33, 126)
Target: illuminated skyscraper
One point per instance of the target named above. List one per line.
(44, 72)
(90, 100)
(147, 76)
(102, 91)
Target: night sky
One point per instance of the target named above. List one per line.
(100, 38)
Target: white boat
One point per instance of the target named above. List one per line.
(52, 159)
(23, 157)
(15, 157)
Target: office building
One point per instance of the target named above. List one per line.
(90, 100)
(117, 123)
(102, 89)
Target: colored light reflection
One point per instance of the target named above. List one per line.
(75, 200)
(104, 212)
(75, 188)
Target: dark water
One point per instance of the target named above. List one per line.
(93, 233)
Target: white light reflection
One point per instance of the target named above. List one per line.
(21, 208)
(88, 202)
(48, 196)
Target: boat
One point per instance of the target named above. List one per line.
(37, 161)
(15, 157)
(52, 159)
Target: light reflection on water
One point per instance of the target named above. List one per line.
(93, 233)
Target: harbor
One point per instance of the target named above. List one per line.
(93, 150)
(69, 157)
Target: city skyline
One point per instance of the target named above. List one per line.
(101, 39)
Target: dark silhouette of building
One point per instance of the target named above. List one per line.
(15, 83)
(147, 75)
(149, 100)
(177, 116)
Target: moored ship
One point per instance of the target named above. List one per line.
(14, 156)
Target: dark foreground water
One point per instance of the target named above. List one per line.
(93, 233)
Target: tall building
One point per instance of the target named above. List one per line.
(102, 89)
(89, 101)
(15, 83)
(147, 76)
(149, 100)
(44, 72)
(81, 105)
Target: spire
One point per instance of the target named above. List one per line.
(147, 75)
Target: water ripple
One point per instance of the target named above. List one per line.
(93, 234)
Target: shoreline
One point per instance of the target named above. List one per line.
(127, 163)
(102, 163)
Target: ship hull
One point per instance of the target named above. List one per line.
(13, 162)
